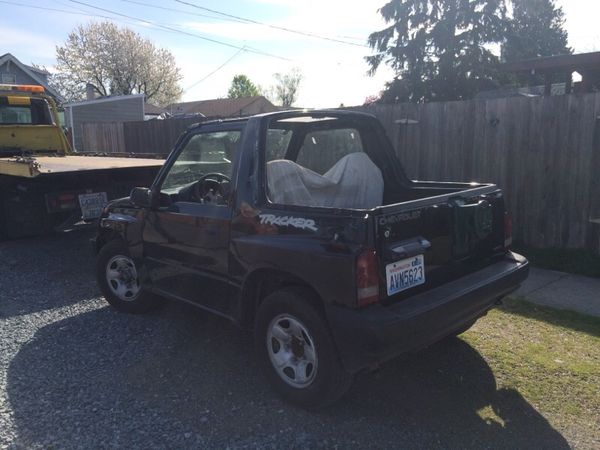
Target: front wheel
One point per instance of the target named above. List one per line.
(296, 350)
(118, 279)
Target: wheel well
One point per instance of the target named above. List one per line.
(104, 238)
(263, 282)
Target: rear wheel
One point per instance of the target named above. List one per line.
(118, 279)
(296, 350)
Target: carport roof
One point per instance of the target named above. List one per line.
(555, 63)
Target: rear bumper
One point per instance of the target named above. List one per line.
(375, 334)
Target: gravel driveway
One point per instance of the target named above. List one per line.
(76, 374)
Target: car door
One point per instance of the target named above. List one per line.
(186, 239)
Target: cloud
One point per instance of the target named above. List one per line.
(581, 23)
(334, 73)
(25, 44)
(338, 19)
(233, 31)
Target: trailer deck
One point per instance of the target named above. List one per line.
(31, 167)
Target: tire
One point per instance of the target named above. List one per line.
(289, 330)
(117, 277)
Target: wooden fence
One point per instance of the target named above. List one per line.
(543, 152)
(103, 137)
(152, 136)
(155, 136)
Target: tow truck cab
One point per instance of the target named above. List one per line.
(44, 185)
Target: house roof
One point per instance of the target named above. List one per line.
(151, 109)
(220, 107)
(37, 69)
(32, 72)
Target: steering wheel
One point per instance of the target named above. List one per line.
(209, 187)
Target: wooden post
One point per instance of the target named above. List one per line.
(586, 86)
(569, 83)
(548, 84)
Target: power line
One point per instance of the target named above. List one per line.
(176, 30)
(53, 9)
(238, 19)
(231, 58)
(78, 12)
(289, 30)
(164, 8)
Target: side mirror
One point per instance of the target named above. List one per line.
(141, 197)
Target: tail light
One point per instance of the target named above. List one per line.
(63, 201)
(367, 278)
(508, 226)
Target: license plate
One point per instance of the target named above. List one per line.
(92, 204)
(405, 274)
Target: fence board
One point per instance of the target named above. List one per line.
(154, 136)
(103, 137)
(543, 152)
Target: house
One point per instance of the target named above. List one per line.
(113, 109)
(223, 107)
(152, 111)
(13, 71)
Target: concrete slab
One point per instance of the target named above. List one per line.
(563, 291)
(539, 278)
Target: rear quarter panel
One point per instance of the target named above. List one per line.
(312, 246)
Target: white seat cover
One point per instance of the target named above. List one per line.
(354, 182)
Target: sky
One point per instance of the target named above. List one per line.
(334, 73)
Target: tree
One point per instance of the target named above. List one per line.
(439, 49)
(241, 86)
(285, 90)
(115, 61)
(536, 30)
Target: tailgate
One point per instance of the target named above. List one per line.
(425, 243)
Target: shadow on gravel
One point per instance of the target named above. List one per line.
(180, 378)
(46, 272)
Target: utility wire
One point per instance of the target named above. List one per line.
(84, 12)
(230, 18)
(289, 30)
(44, 8)
(78, 12)
(176, 30)
(164, 8)
(231, 58)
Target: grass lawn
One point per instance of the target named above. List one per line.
(580, 262)
(552, 358)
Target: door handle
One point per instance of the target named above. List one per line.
(409, 248)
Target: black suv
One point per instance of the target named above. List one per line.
(303, 227)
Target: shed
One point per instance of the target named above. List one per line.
(116, 109)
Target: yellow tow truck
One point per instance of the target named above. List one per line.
(44, 185)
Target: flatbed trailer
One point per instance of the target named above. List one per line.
(39, 195)
(31, 167)
(44, 186)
